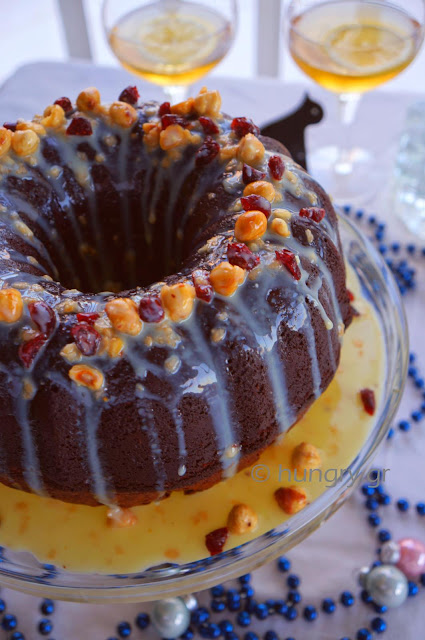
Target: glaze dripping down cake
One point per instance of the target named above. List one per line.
(172, 297)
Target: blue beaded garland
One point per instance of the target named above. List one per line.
(328, 605)
(143, 620)
(294, 597)
(402, 505)
(283, 564)
(17, 635)
(47, 607)
(413, 588)
(293, 581)
(347, 599)
(9, 622)
(374, 520)
(363, 634)
(378, 625)
(281, 607)
(225, 626)
(271, 635)
(200, 615)
(384, 535)
(420, 508)
(218, 605)
(261, 611)
(310, 613)
(45, 627)
(243, 619)
(291, 613)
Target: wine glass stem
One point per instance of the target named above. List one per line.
(348, 106)
(176, 93)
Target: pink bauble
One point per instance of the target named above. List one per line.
(412, 557)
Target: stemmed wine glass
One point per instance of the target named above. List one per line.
(350, 47)
(172, 43)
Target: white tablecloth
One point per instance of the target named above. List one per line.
(328, 560)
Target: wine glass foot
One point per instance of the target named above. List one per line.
(350, 177)
(176, 93)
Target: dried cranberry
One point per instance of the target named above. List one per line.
(368, 398)
(249, 174)
(43, 316)
(216, 540)
(129, 95)
(206, 153)
(164, 108)
(350, 295)
(90, 318)
(79, 127)
(209, 126)
(277, 167)
(66, 104)
(256, 203)
(171, 118)
(86, 338)
(150, 309)
(289, 261)
(203, 287)
(242, 126)
(28, 350)
(313, 213)
(239, 255)
(10, 125)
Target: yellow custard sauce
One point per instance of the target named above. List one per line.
(78, 538)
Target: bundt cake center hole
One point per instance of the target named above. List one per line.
(126, 254)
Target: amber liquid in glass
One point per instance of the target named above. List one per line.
(352, 46)
(171, 43)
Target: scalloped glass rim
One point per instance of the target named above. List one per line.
(20, 570)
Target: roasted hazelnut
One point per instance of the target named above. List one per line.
(123, 114)
(88, 99)
(208, 103)
(54, 116)
(86, 376)
(284, 214)
(29, 125)
(11, 305)
(251, 150)
(280, 227)
(261, 188)
(183, 108)
(151, 131)
(121, 518)
(122, 312)
(226, 278)
(291, 499)
(178, 300)
(250, 225)
(174, 136)
(71, 353)
(305, 456)
(26, 142)
(242, 519)
(5, 140)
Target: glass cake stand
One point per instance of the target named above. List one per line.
(22, 571)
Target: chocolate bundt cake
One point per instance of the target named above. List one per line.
(172, 297)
